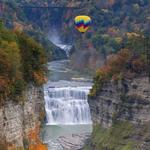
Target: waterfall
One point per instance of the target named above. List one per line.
(64, 47)
(67, 105)
(54, 37)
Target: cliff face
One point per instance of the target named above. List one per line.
(19, 124)
(121, 116)
(126, 100)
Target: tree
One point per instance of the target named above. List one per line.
(33, 57)
(22, 61)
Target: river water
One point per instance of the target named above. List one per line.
(68, 121)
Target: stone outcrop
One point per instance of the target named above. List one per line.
(69, 142)
(18, 120)
(124, 100)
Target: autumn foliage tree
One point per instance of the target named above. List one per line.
(127, 63)
(33, 59)
(114, 68)
(22, 61)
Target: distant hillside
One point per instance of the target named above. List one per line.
(34, 22)
(112, 20)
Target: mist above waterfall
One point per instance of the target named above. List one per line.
(55, 37)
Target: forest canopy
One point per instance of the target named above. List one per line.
(22, 61)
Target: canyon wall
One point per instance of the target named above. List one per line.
(121, 116)
(124, 100)
(20, 123)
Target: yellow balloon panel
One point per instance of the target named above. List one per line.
(84, 18)
(82, 29)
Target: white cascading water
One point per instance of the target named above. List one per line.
(66, 48)
(67, 105)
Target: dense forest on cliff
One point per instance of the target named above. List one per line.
(22, 62)
(130, 62)
(116, 19)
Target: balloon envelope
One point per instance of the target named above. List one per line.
(82, 23)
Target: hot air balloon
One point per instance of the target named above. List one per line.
(82, 23)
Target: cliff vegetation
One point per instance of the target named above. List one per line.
(22, 61)
(130, 62)
(121, 136)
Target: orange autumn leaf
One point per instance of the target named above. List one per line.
(38, 147)
(39, 78)
(35, 141)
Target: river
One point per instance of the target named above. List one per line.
(68, 121)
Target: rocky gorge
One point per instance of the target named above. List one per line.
(20, 123)
(126, 100)
(121, 114)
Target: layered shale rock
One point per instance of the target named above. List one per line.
(124, 100)
(18, 121)
(121, 116)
